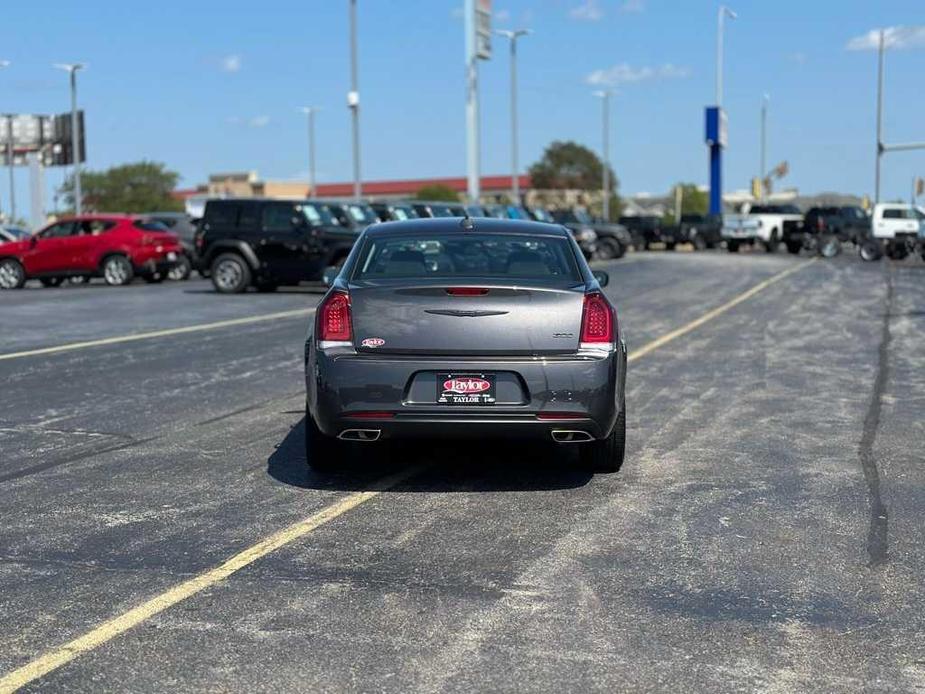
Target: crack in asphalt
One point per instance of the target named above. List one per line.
(877, 541)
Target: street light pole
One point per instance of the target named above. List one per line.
(879, 118)
(72, 69)
(721, 23)
(605, 145)
(353, 102)
(9, 154)
(512, 36)
(762, 170)
(312, 181)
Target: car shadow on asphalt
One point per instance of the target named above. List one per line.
(478, 465)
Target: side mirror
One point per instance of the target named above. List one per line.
(329, 275)
(602, 278)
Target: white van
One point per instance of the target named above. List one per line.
(895, 220)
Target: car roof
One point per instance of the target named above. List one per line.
(478, 224)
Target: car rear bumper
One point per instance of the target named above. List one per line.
(396, 396)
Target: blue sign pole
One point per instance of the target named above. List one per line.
(716, 140)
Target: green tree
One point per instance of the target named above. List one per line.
(437, 192)
(144, 186)
(571, 166)
(693, 200)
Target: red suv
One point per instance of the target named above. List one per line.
(112, 246)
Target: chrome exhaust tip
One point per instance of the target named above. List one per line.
(359, 435)
(570, 436)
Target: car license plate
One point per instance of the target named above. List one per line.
(171, 256)
(465, 389)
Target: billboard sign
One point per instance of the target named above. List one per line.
(50, 136)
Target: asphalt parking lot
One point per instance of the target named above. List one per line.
(764, 534)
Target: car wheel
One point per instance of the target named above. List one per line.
(609, 249)
(699, 243)
(897, 251)
(51, 281)
(829, 246)
(12, 274)
(770, 246)
(230, 274)
(794, 247)
(732, 246)
(117, 271)
(181, 271)
(322, 453)
(870, 250)
(606, 455)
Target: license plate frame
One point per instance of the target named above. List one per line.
(466, 389)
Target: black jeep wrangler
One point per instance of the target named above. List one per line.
(267, 243)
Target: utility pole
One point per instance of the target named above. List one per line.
(472, 107)
(9, 161)
(312, 181)
(879, 118)
(515, 172)
(716, 119)
(353, 102)
(605, 146)
(762, 169)
(72, 69)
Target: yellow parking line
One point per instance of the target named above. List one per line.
(718, 311)
(107, 631)
(135, 616)
(70, 347)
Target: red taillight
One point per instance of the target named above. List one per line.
(596, 319)
(560, 415)
(466, 291)
(334, 318)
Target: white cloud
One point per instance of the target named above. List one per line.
(231, 63)
(259, 121)
(633, 6)
(589, 11)
(893, 37)
(624, 73)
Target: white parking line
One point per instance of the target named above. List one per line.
(158, 333)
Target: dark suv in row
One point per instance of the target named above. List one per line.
(267, 243)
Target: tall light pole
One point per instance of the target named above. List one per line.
(512, 36)
(721, 23)
(353, 102)
(879, 118)
(605, 146)
(72, 69)
(762, 166)
(716, 120)
(9, 156)
(312, 181)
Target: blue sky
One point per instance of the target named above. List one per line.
(214, 86)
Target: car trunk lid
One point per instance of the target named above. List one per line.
(465, 318)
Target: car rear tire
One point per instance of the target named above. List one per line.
(181, 271)
(829, 246)
(12, 274)
(51, 281)
(322, 453)
(870, 250)
(897, 251)
(230, 274)
(117, 271)
(770, 246)
(606, 455)
(610, 249)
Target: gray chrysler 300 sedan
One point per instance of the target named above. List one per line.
(466, 328)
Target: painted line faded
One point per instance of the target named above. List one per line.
(119, 625)
(137, 337)
(715, 313)
(116, 626)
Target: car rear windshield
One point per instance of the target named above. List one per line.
(464, 255)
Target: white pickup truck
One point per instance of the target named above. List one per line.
(767, 224)
(897, 230)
